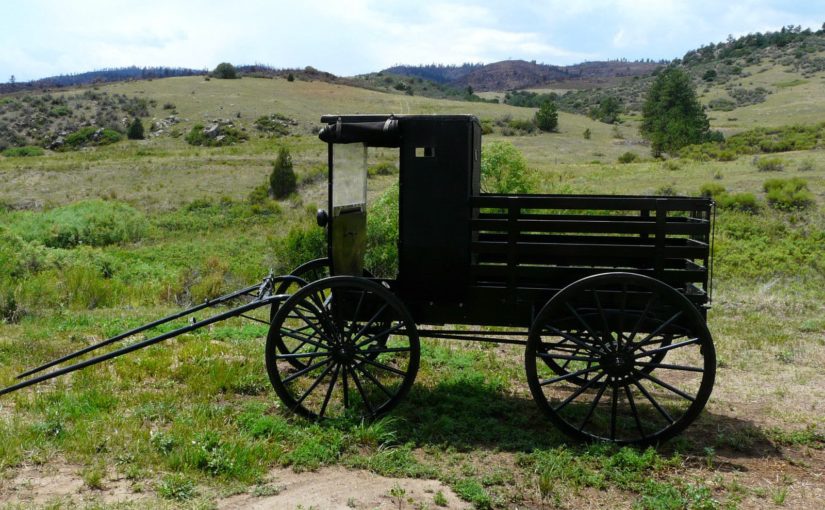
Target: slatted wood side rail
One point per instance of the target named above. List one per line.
(552, 240)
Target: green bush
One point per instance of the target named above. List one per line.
(629, 157)
(769, 165)
(225, 71)
(91, 223)
(300, 245)
(744, 202)
(788, 194)
(587, 134)
(382, 235)
(504, 170)
(90, 136)
(712, 190)
(273, 124)
(23, 152)
(382, 168)
(525, 126)
(229, 135)
(282, 180)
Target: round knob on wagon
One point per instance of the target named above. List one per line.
(322, 218)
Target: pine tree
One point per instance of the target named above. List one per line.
(282, 180)
(672, 116)
(547, 118)
(135, 131)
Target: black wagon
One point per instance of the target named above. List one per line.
(607, 294)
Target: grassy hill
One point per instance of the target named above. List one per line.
(97, 240)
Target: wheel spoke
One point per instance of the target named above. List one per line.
(665, 385)
(670, 367)
(304, 339)
(382, 366)
(578, 392)
(386, 332)
(357, 310)
(641, 318)
(613, 411)
(605, 328)
(654, 402)
(329, 390)
(660, 327)
(666, 348)
(314, 385)
(370, 322)
(633, 409)
(386, 349)
(587, 327)
(568, 375)
(564, 356)
(593, 404)
(375, 381)
(361, 390)
(304, 370)
(345, 387)
(301, 355)
(588, 347)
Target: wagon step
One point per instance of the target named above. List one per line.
(261, 295)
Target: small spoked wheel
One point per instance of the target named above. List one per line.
(309, 272)
(357, 344)
(620, 357)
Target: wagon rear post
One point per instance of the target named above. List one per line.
(607, 294)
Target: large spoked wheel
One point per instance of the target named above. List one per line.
(620, 357)
(357, 343)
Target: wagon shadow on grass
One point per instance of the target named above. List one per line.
(469, 414)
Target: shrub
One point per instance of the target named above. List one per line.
(274, 124)
(135, 131)
(587, 133)
(547, 118)
(769, 165)
(522, 125)
(672, 116)
(227, 135)
(382, 235)
(788, 194)
(382, 168)
(712, 190)
(282, 180)
(504, 170)
(23, 152)
(290, 77)
(300, 245)
(744, 202)
(666, 190)
(92, 223)
(225, 71)
(91, 135)
(169, 106)
(629, 157)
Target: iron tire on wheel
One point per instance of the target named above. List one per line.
(349, 367)
(641, 371)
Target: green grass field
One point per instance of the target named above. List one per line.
(194, 423)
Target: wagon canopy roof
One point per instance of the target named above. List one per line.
(375, 130)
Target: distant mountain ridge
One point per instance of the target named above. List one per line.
(521, 74)
(102, 76)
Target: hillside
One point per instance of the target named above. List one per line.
(520, 74)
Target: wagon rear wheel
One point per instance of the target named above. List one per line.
(620, 357)
(357, 343)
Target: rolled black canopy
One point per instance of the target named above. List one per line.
(373, 134)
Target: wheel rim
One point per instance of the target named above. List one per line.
(358, 347)
(623, 358)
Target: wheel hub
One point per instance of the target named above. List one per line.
(344, 354)
(617, 364)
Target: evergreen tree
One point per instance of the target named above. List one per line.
(672, 116)
(135, 131)
(547, 118)
(282, 180)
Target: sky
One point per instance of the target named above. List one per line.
(43, 38)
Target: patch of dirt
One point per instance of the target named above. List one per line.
(41, 484)
(337, 488)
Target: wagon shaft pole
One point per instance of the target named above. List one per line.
(146, 343)
(121, 336)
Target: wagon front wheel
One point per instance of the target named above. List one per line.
(358, 347)
(638, 360)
